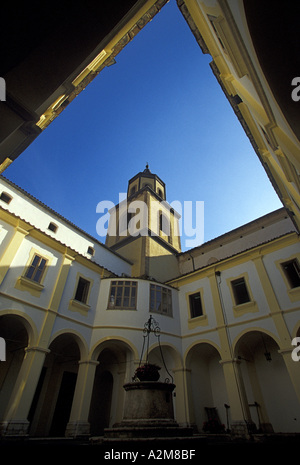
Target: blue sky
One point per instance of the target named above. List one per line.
(160, 103)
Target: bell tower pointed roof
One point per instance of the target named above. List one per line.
(146, 179)
(147, 170)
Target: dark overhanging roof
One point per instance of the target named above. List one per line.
(45, 46)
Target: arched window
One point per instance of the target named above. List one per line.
(164, 224)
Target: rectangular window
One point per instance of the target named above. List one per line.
(240, 291)
(195, 305)
(123, 294)
(82, 290)
(160, 300)
(292, 272)
(52, 227)
(91, 251)
(36, 269)
(5, 197)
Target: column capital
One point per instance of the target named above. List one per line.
(22, 230)
(88, 362)
(37, 349)
(230, 360)
(287, 350)
(182, 370)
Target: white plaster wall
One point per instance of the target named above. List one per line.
(255, 288)
(17, 269)
(88, 316)
(40, 216)
(135, 318)
(237, 241)
(129, 324)
(207, 303)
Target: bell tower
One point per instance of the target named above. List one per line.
(145, 229)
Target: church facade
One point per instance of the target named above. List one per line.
(73, 311)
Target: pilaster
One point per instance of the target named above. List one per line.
(11, 250)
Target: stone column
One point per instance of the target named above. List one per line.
(241, 423)
(184, 398)
(180, 399)
(292, 368)
(119, 395)
(78, 423)
(15, 421)
(264, 422)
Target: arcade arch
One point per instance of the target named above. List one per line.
(168, 358)
(116, 360)
(270, 394)
(18, 333)
(52, 402)
(206, 385)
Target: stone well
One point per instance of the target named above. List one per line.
(148, 412)
(148, 402)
